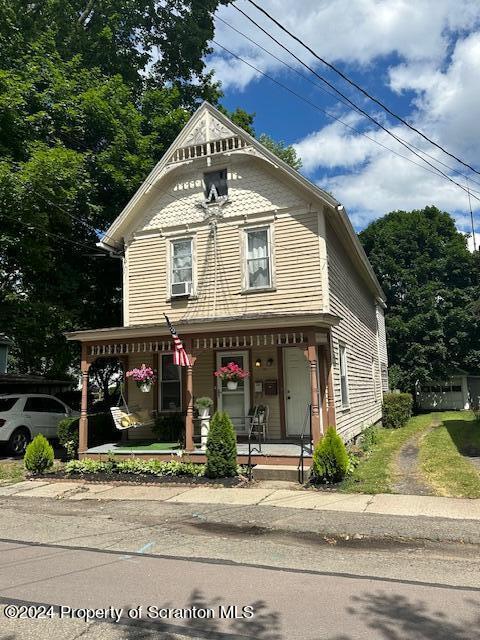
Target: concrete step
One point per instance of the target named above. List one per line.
(276, 472)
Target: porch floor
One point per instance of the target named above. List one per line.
(288, 450)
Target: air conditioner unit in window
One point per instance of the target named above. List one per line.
(181, 289)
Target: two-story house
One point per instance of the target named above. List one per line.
(253, 264)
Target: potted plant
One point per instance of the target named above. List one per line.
(231, 374)
(144, 377)
(203, 406)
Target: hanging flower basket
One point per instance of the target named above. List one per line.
(231, 374)
(144, 377)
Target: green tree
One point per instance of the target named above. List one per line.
(286, 152)
(432, 284)
(221, 447)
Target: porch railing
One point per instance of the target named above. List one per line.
(306, 429)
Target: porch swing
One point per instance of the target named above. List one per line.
(130, 418)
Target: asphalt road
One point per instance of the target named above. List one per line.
(96, 556)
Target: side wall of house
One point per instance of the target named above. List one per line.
(352, 300)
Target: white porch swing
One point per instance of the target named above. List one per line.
(125, 417)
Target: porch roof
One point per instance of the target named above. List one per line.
(259, 321)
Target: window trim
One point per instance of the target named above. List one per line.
(161, 381)
(270, 255)
(345, 402)
(171, 241)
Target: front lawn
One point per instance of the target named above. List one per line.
(375, 473)
(442, 456)
(11, 471)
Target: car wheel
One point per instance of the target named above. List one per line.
(18, 441)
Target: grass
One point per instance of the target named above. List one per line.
(11, 471)
(147, 446)
(374, 474)
(445, 468)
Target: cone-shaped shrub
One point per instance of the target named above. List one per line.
(39, 455)
(330, 458)
(221, 447)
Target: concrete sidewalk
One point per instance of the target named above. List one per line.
(385, 504)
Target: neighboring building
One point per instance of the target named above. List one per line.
(5, 343)
(460, 391)
(23, 383)
(254, 264)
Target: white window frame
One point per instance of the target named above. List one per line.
(269, 256)
(172, 241)
(161, 408)
(342, 349)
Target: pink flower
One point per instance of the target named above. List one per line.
(144, 374)
(232, 372)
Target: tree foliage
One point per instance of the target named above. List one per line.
(286, 152)
(432, 284)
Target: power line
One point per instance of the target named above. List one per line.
(353, 109)
(56, 236)
(357, 86)
(436, 171)
(353, 104)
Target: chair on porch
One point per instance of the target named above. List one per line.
(125, 417)
(257, 422)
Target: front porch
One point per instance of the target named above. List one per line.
(290, 371)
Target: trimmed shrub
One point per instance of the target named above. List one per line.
(38, 455)
(101, 430)
(396, 409)
(221, 447)
(330, 458)
(169, 427)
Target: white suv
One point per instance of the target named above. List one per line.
(23, 416)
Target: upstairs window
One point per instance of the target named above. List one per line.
(216, 185)
(182, 267)
(258, 259)
(343, 376)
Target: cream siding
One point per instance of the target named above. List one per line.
(136, 398)
(296, 260)
(352, 300)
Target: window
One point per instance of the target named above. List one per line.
(7, 403)
(216, 185)
(44, 405)
(343, 376)
(374, 380)
(182, 267)
(258, 259)
(170, 385)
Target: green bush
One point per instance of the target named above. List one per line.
(169, 427)
(396, 409)
(221, 447)
(330, 458)
(101, 429)
(369, 437)
(38, 455)
(136, 467)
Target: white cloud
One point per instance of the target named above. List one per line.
(350, 31)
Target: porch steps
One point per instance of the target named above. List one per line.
(275, 472)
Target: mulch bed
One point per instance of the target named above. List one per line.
(144, 479)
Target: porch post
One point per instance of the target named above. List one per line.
(83, 422)
(311, 353)
(189, 445)
(330, 395)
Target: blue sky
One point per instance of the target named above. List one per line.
(421, 58)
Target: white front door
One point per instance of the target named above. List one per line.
(297, 388)
(236, 403)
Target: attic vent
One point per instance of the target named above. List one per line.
(208, 149)
(216, 185)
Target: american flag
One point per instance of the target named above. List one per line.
(180, 356)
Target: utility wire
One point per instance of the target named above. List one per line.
(355, 110)
(355, 84)
(436, 171)
(355, 106)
